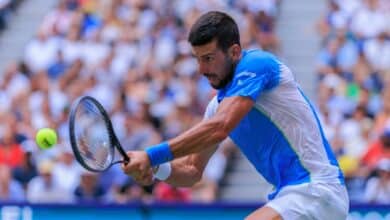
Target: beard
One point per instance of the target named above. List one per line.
(229, 69)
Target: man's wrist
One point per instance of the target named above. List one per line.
(159, 154)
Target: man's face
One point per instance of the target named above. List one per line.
(217, 66)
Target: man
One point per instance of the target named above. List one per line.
(261, 108)
(379, 149)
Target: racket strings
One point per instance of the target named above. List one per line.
(93, 138)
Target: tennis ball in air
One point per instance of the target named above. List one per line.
(46, 138)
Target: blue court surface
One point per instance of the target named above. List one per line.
(225, 211)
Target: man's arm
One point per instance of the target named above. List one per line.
(188, 170)
(213, 130)
(200, 138)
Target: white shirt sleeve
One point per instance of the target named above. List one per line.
(211, 108)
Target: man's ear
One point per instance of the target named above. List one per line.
(235, 52)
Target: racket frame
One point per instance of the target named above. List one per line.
(114, 142)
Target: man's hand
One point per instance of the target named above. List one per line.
(139, 167)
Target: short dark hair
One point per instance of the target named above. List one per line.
(215, 25)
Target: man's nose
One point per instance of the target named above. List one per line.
(203, 68)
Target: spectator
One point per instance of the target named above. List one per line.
(11, 153)
(89, 189)
(4, 13)
(377, 51)
(129, 192)
(10, 190)
(265, 29)
(383, 117)
(167, 193)
(378, 150)
(335, 18)
(378, 187)
(40, 52)
(58, 67)
(116, 185)
(354, 133)
(59, 20)
(43, 188)
(25, 172)
(369, 20)
(66, 171)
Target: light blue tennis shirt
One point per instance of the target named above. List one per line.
(281, 135)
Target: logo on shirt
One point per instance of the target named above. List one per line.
(246, 73)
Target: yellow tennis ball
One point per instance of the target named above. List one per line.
(46, 138)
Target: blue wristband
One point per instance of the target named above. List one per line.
(159, 154)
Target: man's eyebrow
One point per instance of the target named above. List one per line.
(204, 55)
(208, 54)
(211, 53)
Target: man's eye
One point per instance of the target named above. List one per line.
(209, 59)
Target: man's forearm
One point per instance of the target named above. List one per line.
(188, 170)
(183, 173)
(206, 133)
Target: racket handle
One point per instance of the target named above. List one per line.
(126, 159)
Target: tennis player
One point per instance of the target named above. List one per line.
(262, 110)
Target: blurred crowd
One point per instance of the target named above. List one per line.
(353, 69)
(7, 9)
(131, 55)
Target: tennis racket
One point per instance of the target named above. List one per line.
(92, 136)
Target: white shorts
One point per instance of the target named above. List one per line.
(312, 201)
